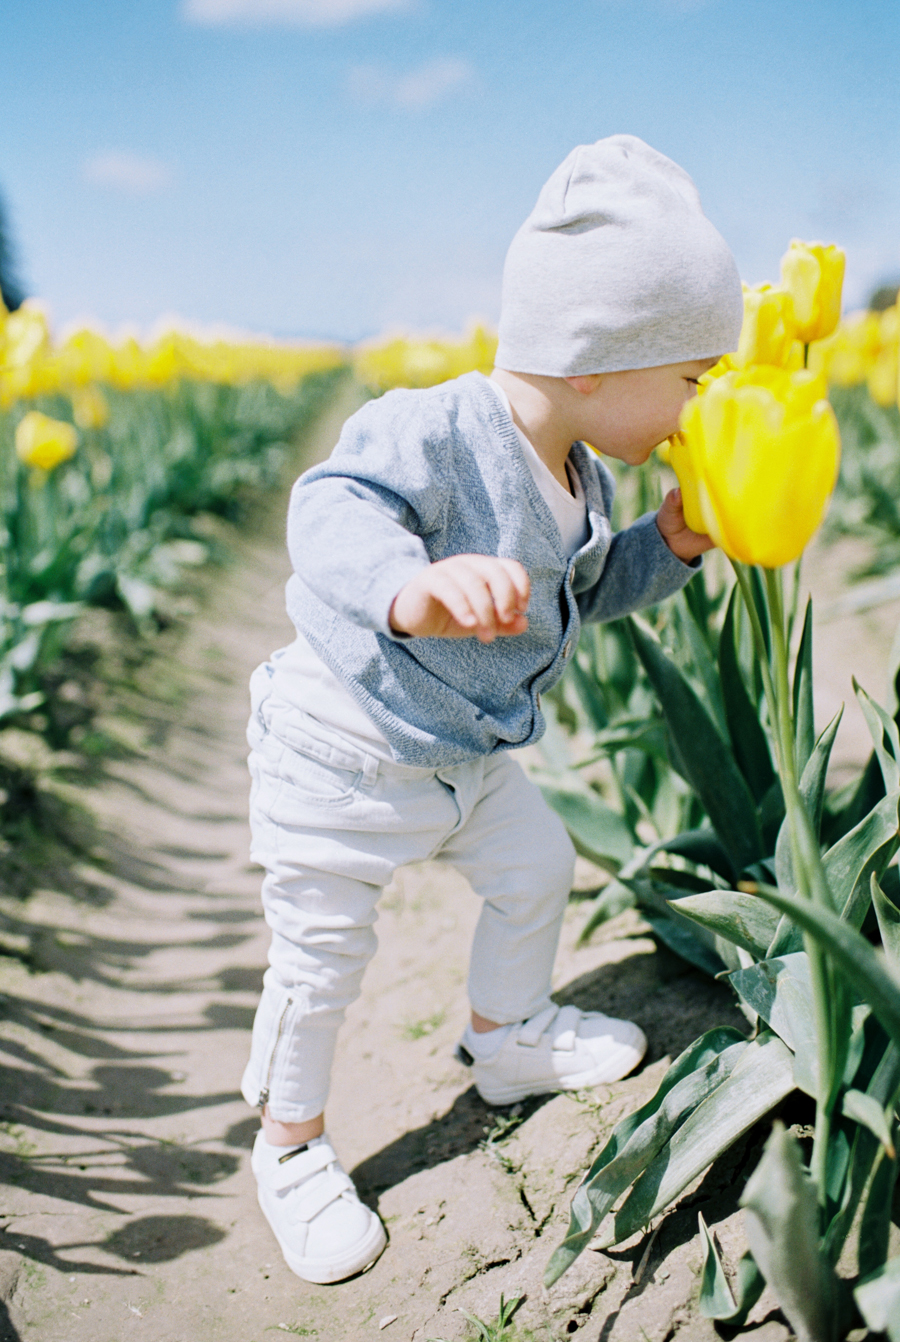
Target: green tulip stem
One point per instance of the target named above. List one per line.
(812, 884)
(809, 873)
(759, 639)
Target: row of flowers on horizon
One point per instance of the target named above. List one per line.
(781, 321)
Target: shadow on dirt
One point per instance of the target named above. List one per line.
(678, 1002)
(67, 1073)
(462, 1129)
(8, 1330)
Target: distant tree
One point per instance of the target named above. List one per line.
(10, 289)
(885, 296)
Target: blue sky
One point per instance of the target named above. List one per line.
(336, 168)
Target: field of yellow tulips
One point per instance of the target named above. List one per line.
(112, 457)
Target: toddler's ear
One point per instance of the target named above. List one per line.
(584, 382)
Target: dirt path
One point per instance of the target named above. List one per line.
(129, 1210)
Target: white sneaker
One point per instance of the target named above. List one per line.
(561, 1048)
(325, 1232)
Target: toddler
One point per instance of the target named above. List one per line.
(445, 557)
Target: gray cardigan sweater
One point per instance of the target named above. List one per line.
(415, 477)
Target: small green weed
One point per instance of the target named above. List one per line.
(504, 1124)
(418, 1029)
(500, 1329)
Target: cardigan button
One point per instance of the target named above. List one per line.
(567, 648)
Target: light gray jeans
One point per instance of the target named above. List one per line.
(330, 824)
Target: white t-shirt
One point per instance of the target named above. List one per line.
(302, 678)
(568, 509)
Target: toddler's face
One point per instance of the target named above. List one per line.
(630, 413)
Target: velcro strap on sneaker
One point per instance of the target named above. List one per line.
(308, 1202)
(300, 1167)
(565, 1033)
(530, 1031)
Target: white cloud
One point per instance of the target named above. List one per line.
(428, 84)
(297, 13)
(133, 174)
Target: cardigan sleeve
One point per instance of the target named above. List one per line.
(356, 522)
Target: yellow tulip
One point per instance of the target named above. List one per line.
(27, 335)
(813, 273)
(768, 333)
(90, 408)
(757, 458)
(44, 442)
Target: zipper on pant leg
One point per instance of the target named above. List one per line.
(264, 1093)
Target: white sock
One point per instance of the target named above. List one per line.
(295, 1146)
(484, 1046)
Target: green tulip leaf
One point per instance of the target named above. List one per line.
(787, 940)
(761, 601)
(812, 790)
(703, 661)
(717, 1300)
(748, 739)
(763, 1076)
(716, 1297)
(864, 852)
(708, 761)
(804, 720)
(685, 944)
(888, 916)
(882, 1066)
(636, 1140)
(740, 918)
(598, 832)
(884, 735)
(647, 735)
(863, 967)
(853, 802)
(612, 900)
(590, 695)
(780, 991)
(692, 942)
(782, 1229)
(878, 1298)
(875, 1224)
(701, 847)
(866, 1110)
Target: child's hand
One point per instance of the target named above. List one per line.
(676, 533)
(462, 597)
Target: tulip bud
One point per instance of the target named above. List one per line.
(44, 442)
(27, 335)
(768, 333)
(90, 409)
(757, 458)
(814, 275)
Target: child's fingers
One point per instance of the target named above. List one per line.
(672, 505)
(474, 581)
(458, 596)
(505, 580)
(478, 595)
(498, 592)
(520, 581)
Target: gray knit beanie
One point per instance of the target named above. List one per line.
(617, 267)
